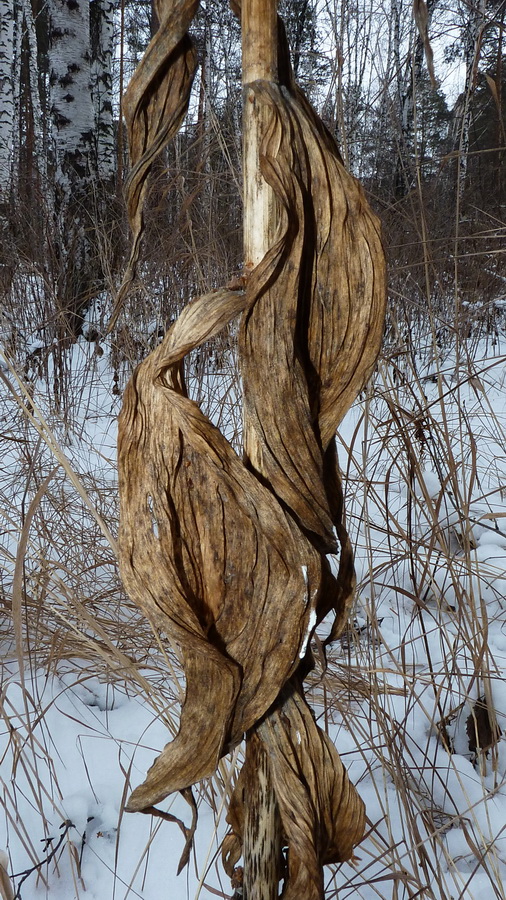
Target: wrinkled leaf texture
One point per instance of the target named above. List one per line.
(228, 556)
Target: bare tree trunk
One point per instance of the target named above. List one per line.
(473, 38)
(73, 122)
(35, 167)
(102, 48)
(7, 23)
(70, 88)
(408, 72)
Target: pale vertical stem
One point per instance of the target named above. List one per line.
(262, 832)
(262, 827)
(259, 62)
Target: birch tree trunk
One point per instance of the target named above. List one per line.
(73, 121)
(408, 73)
(102, 50)
(70, 95)
(32, 156)
(7, 20)
(473, 37)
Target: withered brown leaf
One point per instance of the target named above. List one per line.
(228, 555)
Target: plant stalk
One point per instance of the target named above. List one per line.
(262, 831)
(259, 62)
(262, 834)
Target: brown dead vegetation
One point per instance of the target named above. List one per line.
(228, 555)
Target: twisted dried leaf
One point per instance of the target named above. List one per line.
(228, 556)
(188, 832)
(322, 816)
(210, 556)
(154, 105)
(320, 322)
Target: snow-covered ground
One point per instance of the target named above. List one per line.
(89, 698)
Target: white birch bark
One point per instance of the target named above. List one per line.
(16, 95)
(408, 56)
(7, 117)
(73, 145)
(39, 143)
(70, 94)
(473, 38)
(102, 46)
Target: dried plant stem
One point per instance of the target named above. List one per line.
(229, 556)
(259, 62)
(262, 833)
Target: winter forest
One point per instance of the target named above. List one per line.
(411, 689)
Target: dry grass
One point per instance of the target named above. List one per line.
(424, 479)
(424, 482)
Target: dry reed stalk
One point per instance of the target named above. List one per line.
(262, 831)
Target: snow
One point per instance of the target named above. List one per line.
(310, 627)
(426, 641)
(91, 741)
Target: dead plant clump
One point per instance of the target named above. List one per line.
(227, 556)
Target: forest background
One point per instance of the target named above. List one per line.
(431, 156)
